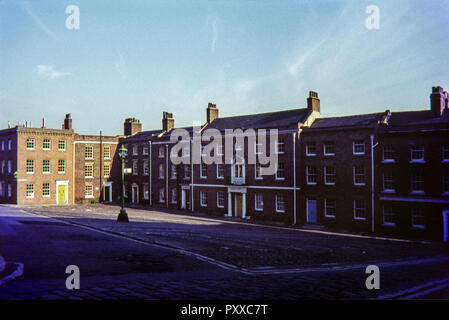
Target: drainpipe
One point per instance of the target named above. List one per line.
(151, 171)
(294, 178)
(191, 174)
(101, 169)
(372, 181)
(166, 175)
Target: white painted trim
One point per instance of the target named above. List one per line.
(249, 187)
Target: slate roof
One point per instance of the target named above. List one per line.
(261, 120)
(348, 121)
(403, 118)
(144, 135)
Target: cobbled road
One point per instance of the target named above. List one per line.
(167, 255)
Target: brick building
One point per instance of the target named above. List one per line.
(385, 172)
(55, 166)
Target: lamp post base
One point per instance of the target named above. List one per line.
(123, 216)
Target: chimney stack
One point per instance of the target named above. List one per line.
(131, 126)
(438, 101)
(168, 122)
(211, 112)
(67, 122)
(313, 103)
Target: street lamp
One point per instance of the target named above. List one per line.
(123, 216)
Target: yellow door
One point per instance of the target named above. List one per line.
(61, 194)
(238, 198)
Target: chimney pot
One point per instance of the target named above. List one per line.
(313, 102)
(211, 112)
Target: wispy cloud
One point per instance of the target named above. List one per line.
(214, 36)
(29, 10)
(46, 71)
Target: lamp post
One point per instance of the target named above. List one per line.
(123, 216)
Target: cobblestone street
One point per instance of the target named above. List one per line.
(162, 255)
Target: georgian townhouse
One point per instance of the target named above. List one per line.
(36, 164)
(412, 171)
(239, 189)
(96, 168)
(335, 169)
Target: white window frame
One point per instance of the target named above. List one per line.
(280, 143)
(220, 150)
(161, 171)
(43, 166)
(59, 165)
(89, 155)
(88, 190)
(29, 195)
(61, 145)
(174, 195)
(358, 143)
(277, 169)
(354, 176)
(9, 166)
(256, 177)
(391, 213)
(414, 149)
(161, 152)
(28, 166)
(388, 160)
(145, 191)
(161, 195)
(107, 155)
(355, 210)
(145, 150)
(187, 173)
(328, 154)
(29, 141)
(173, 172)
(326, 214)
(9, 145)
(220, 196)
(135, 167)
(86, 165)
(203, 199)
(258, 148)
(308, 174)
(445, 149)
(43, 145)
(218, 170)
(326, 174)
(203, 166)
(106, 173)
(9, 191)
(412, 216)
(413, 181)
(308, 153)
(385, 190)
(43, 190)
(258, 203)
(277, 203)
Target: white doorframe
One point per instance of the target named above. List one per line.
(108, 184)
(134, 185)
(445, 225)
(66, 184)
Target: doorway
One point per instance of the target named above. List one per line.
(62, 192)
(107, 192)
(311, 211)
(135, 193)
(238, 205)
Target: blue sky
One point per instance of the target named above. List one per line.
(139, 58)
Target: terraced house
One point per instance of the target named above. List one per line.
(383, 173)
